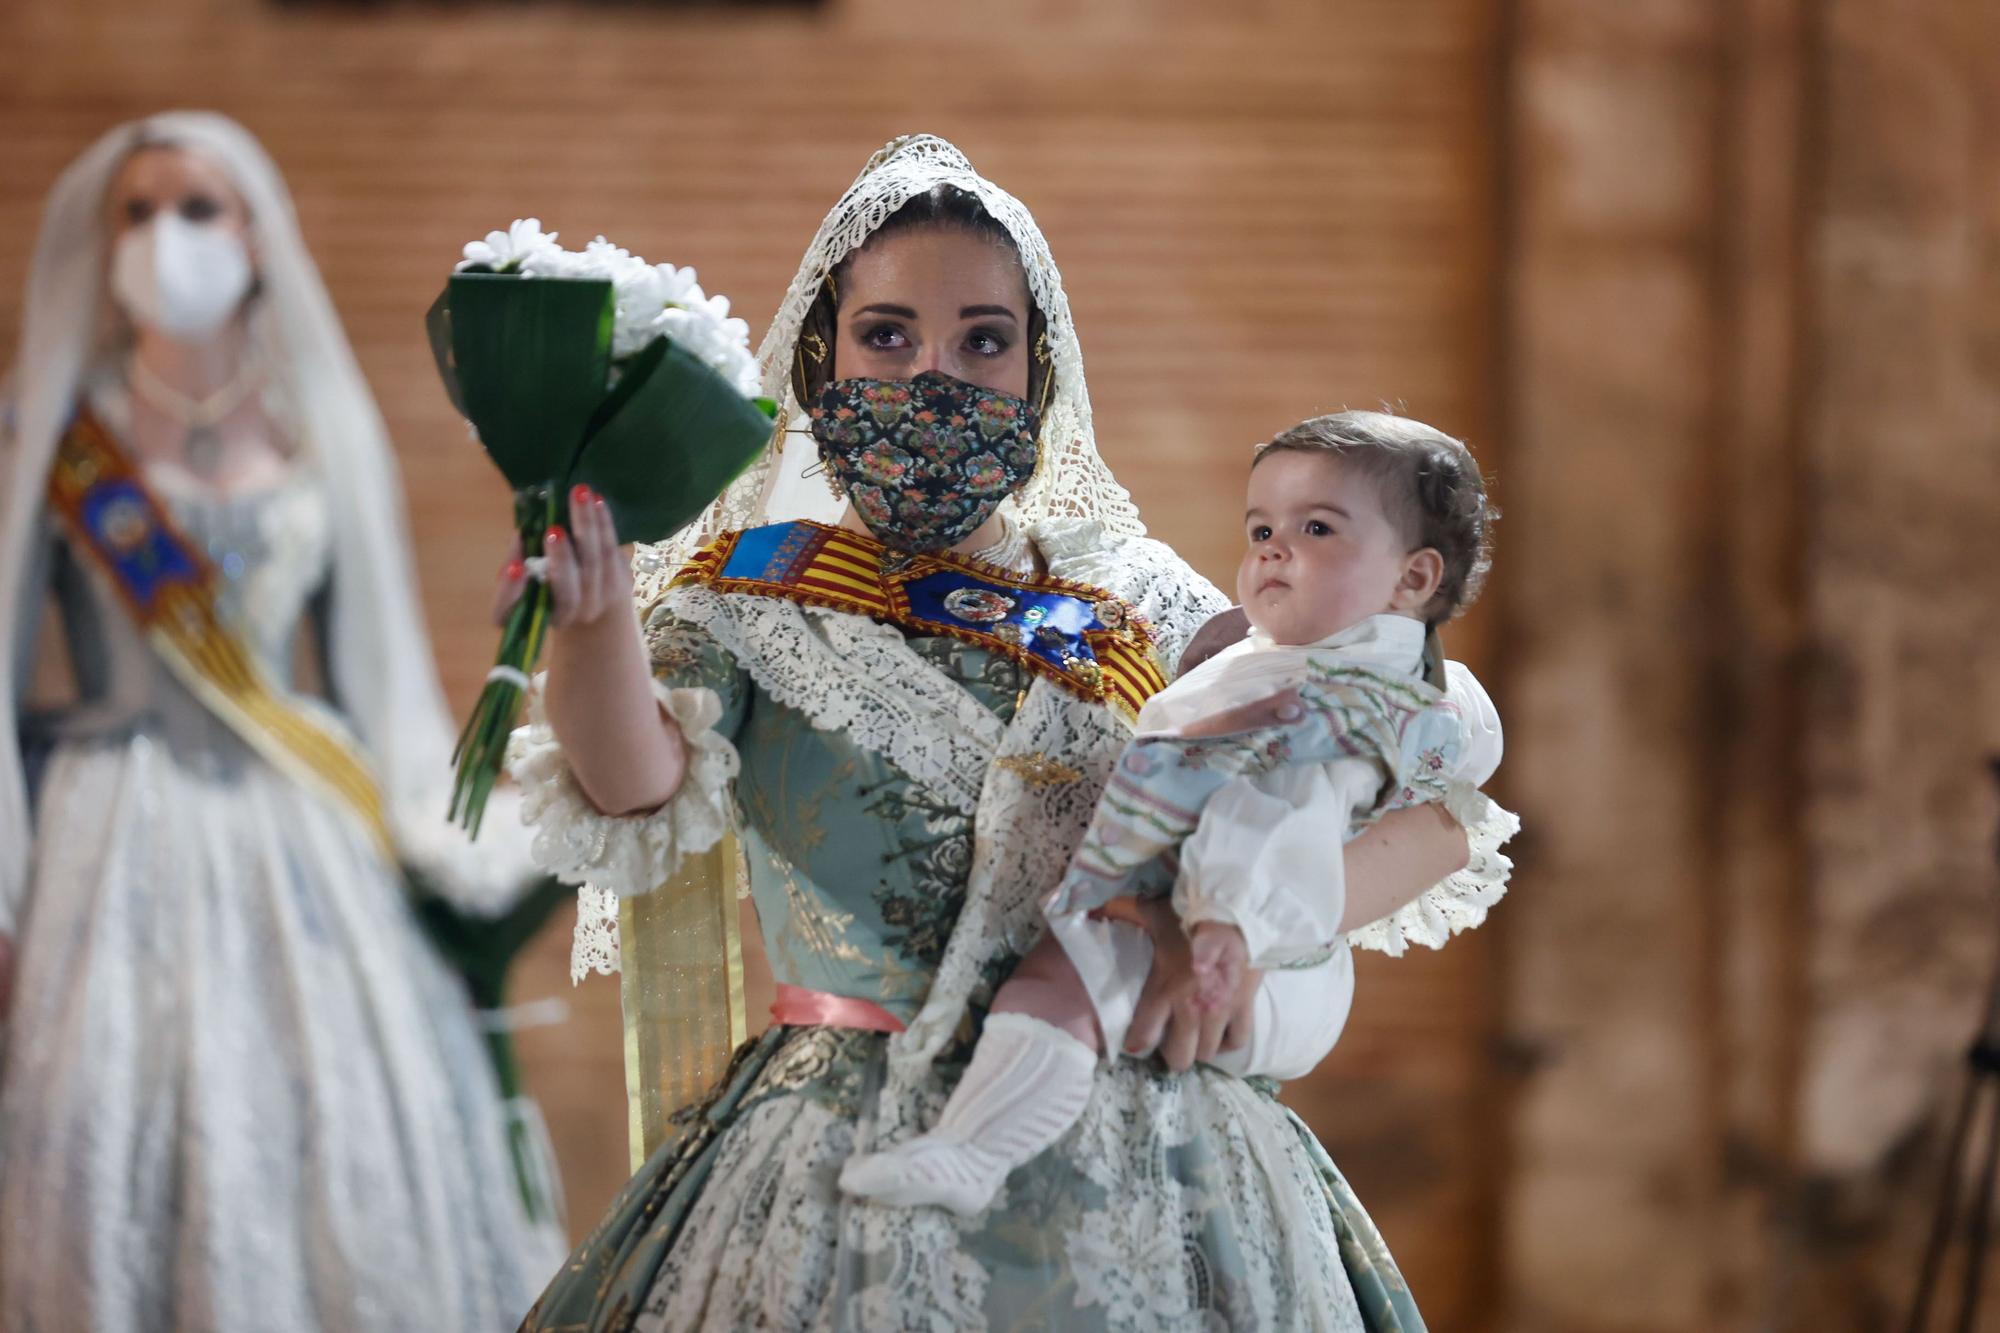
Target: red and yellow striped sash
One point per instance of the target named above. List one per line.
(1080, 637)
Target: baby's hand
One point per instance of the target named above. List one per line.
(1220, 958)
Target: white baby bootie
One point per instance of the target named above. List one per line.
(1027, 1084)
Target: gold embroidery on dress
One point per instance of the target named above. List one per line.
(812, 1056)
(1037, 769)
(897, 980)
(669, 647)
(816, 924)
(811, 921)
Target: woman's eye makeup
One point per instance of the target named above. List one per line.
(885, 337)
(987, 342)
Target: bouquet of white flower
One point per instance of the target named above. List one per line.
(589, 368)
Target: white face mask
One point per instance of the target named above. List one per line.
(182, 278)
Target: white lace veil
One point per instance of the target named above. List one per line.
(380, 654)
(1072, 480)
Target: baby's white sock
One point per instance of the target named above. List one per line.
(1027, 1084)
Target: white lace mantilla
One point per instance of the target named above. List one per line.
(1072, 479)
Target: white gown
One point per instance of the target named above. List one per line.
(238, 1089)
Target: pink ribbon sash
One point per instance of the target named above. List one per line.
(798, 1007)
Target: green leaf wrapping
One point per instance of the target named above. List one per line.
(527, 361)
(681, 436)
(437, 323)
(529, 358)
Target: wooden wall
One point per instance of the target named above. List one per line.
(1751, 420)
(1633, 640)
(1263, 210)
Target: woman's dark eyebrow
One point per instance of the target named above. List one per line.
(899, 311)
(971, 311)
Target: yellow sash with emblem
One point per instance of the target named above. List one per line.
(167, 586)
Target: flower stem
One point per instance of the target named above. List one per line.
(482, 745)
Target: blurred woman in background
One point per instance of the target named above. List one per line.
(238, 1090)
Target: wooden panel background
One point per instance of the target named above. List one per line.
(1263, 210)
(1752, 405)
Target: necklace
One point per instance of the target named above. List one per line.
(201, 417)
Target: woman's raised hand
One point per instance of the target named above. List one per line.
(626, 754)
(588, 575)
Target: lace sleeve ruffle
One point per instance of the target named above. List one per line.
(1462, 901)
(624, 854)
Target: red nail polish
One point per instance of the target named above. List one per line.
(515, 569)
(579, 493)
(553, 537)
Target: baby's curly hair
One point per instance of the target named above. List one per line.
(1430, 485)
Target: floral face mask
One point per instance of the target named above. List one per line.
(925, 460)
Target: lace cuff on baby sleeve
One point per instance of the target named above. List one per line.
(1461, 901)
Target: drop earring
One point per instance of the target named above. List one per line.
(826, 474)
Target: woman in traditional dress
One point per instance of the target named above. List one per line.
(908, 709)
(240, 1090)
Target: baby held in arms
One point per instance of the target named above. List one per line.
(1365, 532)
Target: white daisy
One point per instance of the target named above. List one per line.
(522, 248)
